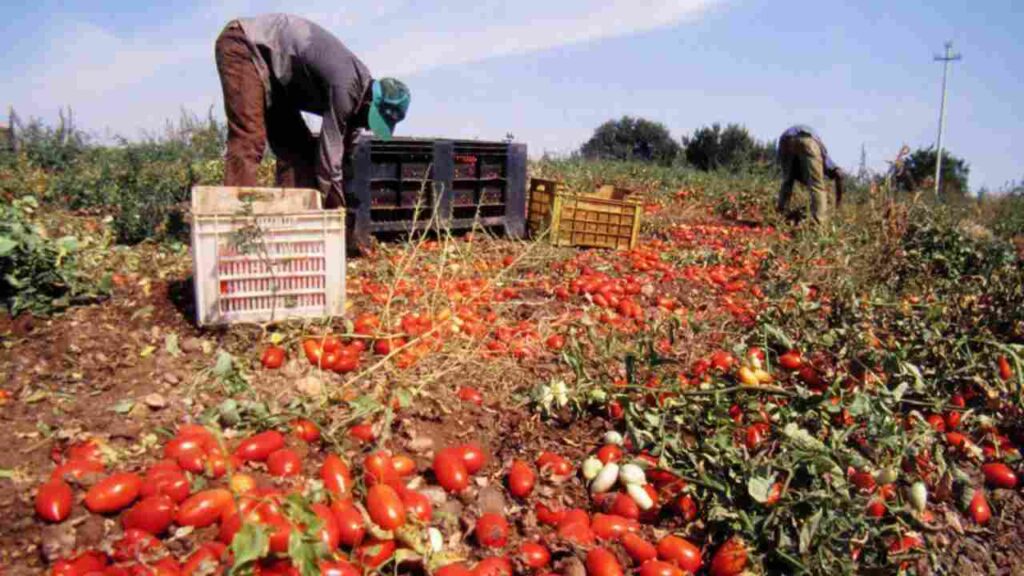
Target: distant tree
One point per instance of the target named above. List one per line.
(631, 139)
(732, 148)
(919, 172)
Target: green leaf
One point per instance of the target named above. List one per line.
(6, 245)
(249, 545)
(7, 474)
(225, 364)
(759, 488)
(124, 406)
(171, 345)
(802, 438)
(808, 531)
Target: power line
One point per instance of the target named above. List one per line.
(946, 58)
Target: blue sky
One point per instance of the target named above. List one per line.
(550, 72)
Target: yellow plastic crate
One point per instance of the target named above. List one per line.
(608, 219)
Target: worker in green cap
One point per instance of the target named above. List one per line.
(274, 67)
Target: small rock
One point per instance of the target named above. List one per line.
(435, 494)
(155, 401)
(58, 541)
(421, 444)
(310, 386)
(171, 378)
(491, 499)
(572, 566)
(192, 344)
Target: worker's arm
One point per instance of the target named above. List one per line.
(334, 135)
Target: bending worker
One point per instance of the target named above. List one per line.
(274, 67)
(804, 159)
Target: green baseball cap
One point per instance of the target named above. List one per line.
(389, 105)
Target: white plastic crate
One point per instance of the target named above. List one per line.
(292, 266)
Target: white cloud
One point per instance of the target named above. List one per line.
(531, 26)
(128, 80)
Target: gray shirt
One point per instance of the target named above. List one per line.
(306, 64)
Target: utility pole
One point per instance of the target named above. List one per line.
(945, 59)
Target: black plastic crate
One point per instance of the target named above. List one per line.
(402, 185)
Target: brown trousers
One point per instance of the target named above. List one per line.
(252, 124)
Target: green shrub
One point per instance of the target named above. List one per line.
(39, 274)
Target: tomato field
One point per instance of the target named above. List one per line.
(734, 396)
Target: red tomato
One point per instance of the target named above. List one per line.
(455, 569)
(623, 505)
(496, 566)
(937, 422)
(999, 475)
(730, 559)
(403, 465)
(170, 482)
(273, 357)
(680, 552)
(217, 465)
(722, 360)
(791, 360)
(980, 511)
(204, 508)
(687, 508)
(134, 544)
(378, 468)
(450, 470)
(385, 507)
(492, 530)
(284, 462)
(152, 514)
(576, 532)
(755, 435)
(53, 501)
(472, 456)
(609, 453)
(417, 504)
(85, 450)
(314, 352)
(307, 430)
(876, 508)
(351, 525)
(338, 568)
(558, 465)
(610, 526)
(1005, 371)
(330, 531)
(639, 550)
(260, 446)
(555, 342)
(549, 516)
(953, 420)
(601, 562)
(521, 479)
(83, 564)
(375, 552)
(205, 560)
(336, 476)
(863, 480)
(471, 395)
(77, 469)
(113, 493)
(656, 568)
(534, 555)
